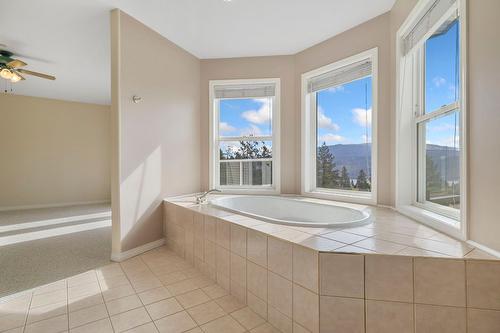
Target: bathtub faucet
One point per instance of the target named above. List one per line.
(202, 198)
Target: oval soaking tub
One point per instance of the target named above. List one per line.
(292, 211)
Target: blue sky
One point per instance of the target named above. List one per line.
(343, 115)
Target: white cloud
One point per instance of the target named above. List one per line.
(451, 141)
(330, 138)
(261, 116)
(326, 122)
(366, 139)
(225, 127)
(252, 130)
(362, 117)
(438, 81)
(336, 88)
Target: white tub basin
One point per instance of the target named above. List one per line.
(292, 211)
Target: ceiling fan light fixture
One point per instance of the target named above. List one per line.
(6, 74)
(15, 77)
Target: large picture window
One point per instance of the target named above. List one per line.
(339, 113)
(431, 115)
(244, 135)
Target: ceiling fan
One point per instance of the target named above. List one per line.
(10, 68)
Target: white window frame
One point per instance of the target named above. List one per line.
(439, 217)
(308, 140)
(214, 139)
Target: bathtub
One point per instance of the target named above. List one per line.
(292, 211)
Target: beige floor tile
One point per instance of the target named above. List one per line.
(439, 319)
(100, 326)
(52, 325)
(173, 278)
(113, 282)
(192, 298)
(117, 292)
(214, 291)
(123, 304)
(206, 312)
(223, 325)
(49, 298)
(130, 319)
(12, 320)
(84, 302)
(146, 284)
(343, 237)
(265, 328)
(87, 315)
(257, 305)
(247, 318)
(229, 303)
(182, 287)
(146, 328)
(280, 321)
(91, 288)
(82, 279)
(154, 295)
(379, 246)
(163, 308)
(195, 330)
(47, 311)
(176, 323)
(389, 317)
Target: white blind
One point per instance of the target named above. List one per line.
(245, 90)
(432, 16)
(340, 76)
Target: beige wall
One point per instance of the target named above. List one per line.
(484, 122)
(257, 68)
(53, 152)
(156, 153)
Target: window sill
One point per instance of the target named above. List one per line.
(345, 196)
(250, 191)
(439, 222)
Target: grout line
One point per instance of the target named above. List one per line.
(28, 312)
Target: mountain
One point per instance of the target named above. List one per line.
(353, 156)
(357, 156)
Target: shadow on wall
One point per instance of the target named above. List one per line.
(140, 206)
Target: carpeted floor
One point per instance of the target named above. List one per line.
(42, 245)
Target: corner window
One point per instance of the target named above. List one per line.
(338, 130)
(244, 135)
(431, 116)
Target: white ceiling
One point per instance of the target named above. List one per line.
(70, 38)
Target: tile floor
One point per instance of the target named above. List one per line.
(154, 292)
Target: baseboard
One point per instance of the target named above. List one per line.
(137, 250)
(484, 248)
(66, 204)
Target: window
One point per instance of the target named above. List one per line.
(245, 135)
(431, 115)
(339, 110)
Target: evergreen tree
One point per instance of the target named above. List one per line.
(362, 182)
(327, 175)
(345, 181)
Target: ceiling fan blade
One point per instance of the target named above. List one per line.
(16, 63)
(18, 74)
(43, 76)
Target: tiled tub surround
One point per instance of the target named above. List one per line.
(393, 275)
